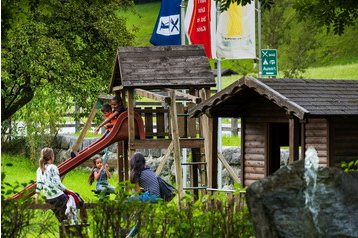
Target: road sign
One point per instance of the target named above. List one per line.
(269, 62)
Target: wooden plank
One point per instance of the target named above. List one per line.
(229, 168)
(257, 151)
(161, 132)
(164, 143)
(251, 163)
(252, 176)
(164, 159)
(191, 122)
(176, 145)
(152, 95)
(87, 125)
(254, 144)
(148, 120)
(293, 139)
(256, 170)
(181, 120)
(243, 148)
(131, 126)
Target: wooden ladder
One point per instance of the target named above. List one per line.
(197, 173)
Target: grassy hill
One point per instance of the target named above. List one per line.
(341, 61)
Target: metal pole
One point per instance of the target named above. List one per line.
(182, 16)
(218, 87)
(258, 9)
(182, 37)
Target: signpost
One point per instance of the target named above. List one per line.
(269, 62)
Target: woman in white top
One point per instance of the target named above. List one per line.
(49, 181)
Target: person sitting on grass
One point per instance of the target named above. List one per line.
(146, 185)
(100, 173)
(117, 109)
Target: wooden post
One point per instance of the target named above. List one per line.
(293, 139)
(234, 131)
(131, 126)
(87, 125)
(176, 144)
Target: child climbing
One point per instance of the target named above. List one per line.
(100, 173)
(117, 109)
(107, 113)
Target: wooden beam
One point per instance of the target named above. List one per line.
(164, 143)
(293, 139)
(117, 88)
(164, 159)
(229, 168)
(176, 146)
(152, 95)
(193, 98)
(243, 140)
(131, 126)
(87, 125)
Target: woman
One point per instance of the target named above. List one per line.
(146, 183)
(49, 181)
(145, 180)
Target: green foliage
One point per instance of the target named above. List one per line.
(210, 216)
(332, 14)
(350, 166)
(64, 47)
(231, 140)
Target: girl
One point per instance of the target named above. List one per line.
(100, 173)
(117, 109)
(146, 183)
(48, 180)
(145, 180)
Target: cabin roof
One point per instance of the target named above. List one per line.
(158, 67)
(300, 97)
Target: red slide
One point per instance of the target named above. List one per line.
(119, 132)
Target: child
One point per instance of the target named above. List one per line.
(117, 109)
(49, 181)
(100, 173)
(107, 112)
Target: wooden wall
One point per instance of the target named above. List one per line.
(259, 113)
(316, 135)
(344, 139)
(254, 152)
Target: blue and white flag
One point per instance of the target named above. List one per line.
(167, 28)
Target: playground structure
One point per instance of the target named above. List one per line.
(178, 77)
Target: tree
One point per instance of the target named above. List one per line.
(67, 46)
(332, 14)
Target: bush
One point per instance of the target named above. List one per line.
(210, 216)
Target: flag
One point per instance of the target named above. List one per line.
(235, 36)
(200, 24)
(167, 27)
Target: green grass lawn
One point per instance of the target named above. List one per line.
(23, 171)
(142, 18)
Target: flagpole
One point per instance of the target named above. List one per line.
(182, 38)
(218, 88)
(259, 34)
(182, 16)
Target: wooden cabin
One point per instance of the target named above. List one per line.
(174, 76)
(290, 113)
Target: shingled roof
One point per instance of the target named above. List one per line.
(300, 97)
(179, 67)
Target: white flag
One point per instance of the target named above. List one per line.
(235, 36)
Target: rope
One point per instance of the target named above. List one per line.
(106, 156)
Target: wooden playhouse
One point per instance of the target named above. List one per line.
(290, 113)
